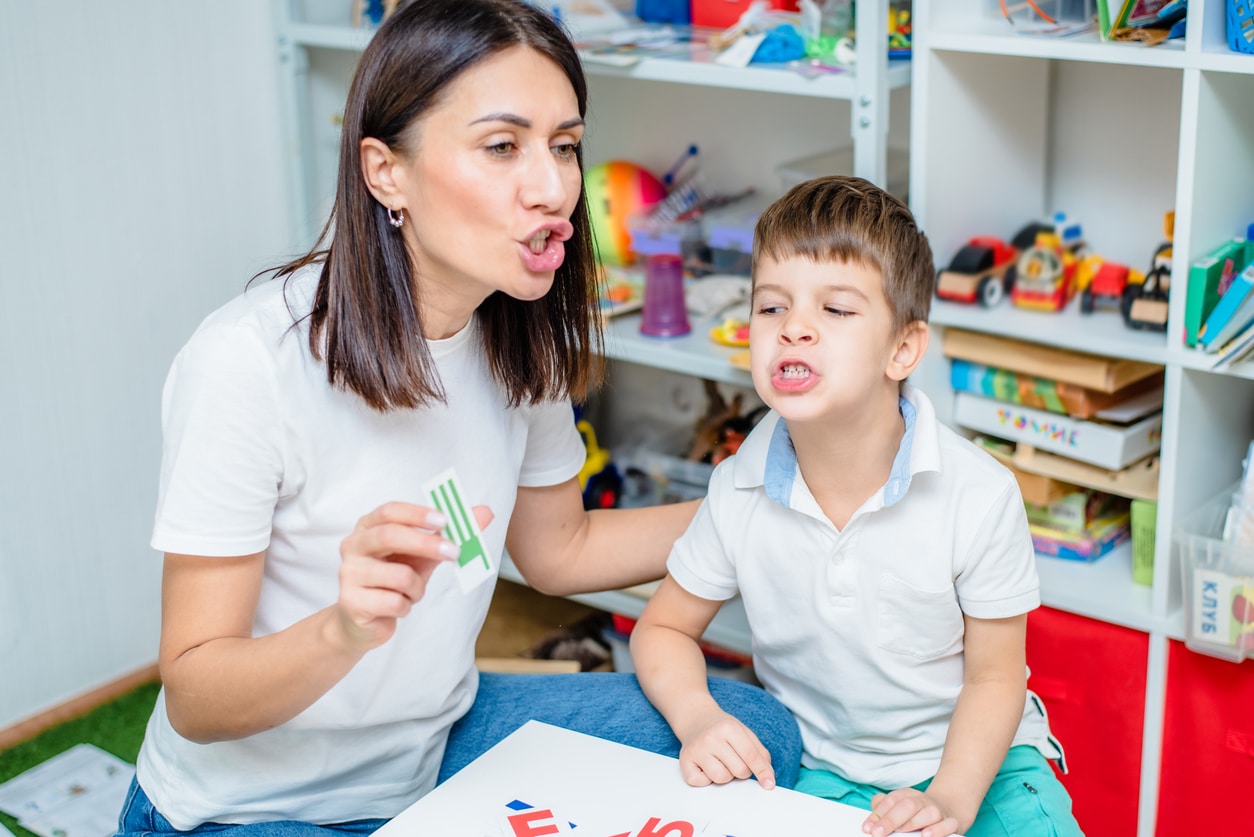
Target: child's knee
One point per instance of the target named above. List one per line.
(1026, 802)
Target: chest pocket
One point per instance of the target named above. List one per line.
(916, 622)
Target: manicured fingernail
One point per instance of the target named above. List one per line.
(436, 519)
(449, 550)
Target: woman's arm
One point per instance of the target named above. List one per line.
(562, 549)
(221, 683)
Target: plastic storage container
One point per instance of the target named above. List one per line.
(840, 161)
(729, 233)
(724, 13)
(1218, 579)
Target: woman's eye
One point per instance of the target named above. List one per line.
(567, 150)
(501, 149)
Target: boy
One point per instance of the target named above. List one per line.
(884, 562)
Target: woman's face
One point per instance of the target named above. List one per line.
(491, 184)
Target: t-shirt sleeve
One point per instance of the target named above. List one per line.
(699, 561)
(555, 450)
(222, 457)
(998, 576)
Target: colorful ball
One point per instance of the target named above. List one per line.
(615, 191)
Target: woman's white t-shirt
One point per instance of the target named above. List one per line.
(261, 453)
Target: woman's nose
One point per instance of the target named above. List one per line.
(544, 186)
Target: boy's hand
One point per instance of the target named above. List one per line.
(907, 809)
(724, 749)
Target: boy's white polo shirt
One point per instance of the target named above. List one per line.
(860, 631)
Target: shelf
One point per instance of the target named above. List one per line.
(729, 629)
(1099, 333)
(1102, 589)
(762, 78)
(995, 37)
(693, 354)
(696, 69)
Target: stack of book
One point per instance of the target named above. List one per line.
(1080, 432)
(1105, 412)
(1219, 308)
(1081, 526)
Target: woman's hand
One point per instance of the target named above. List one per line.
(907, 809)
(723, 749)
(386, 563)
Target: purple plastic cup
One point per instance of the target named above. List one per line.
(664, 312)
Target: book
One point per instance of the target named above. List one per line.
(1209, 277)
(1097, 540)
(1233, 311)
(1109, 446)
(1041, 393)
(1236, 349)
(1083, 370)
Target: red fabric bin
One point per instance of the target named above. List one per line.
(1091, 676)
(724, 13)
(1208, 743)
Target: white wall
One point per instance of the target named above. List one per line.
(141, 185)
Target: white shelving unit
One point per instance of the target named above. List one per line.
(1008, 129)
(318, 49)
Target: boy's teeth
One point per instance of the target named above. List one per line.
(538, 241)
(796, 371)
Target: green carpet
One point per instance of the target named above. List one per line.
(116, 727)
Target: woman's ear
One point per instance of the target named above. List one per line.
(911, 344)
(380, 168)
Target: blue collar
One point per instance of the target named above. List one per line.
(781, 462)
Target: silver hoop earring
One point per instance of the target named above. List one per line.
(396, 218)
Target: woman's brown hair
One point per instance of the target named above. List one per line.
(366, 322)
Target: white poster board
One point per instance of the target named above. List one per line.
(543, 780)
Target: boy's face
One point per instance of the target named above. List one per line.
(821, 338)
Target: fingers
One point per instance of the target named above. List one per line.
(907, 810)
(725, 752)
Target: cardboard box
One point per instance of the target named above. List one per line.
(1090, 371)
(1106, 445)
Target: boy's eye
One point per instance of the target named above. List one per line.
(770, 309)
(839, 312)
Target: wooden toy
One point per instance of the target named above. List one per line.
(1145, 304)
(1044, 275)
(982, 271)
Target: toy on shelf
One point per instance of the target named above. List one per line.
(982, 271)
(599, 478)
(1045, 271)
(1044, 275)
(1145, 303)
(615, 191)
(1100, 280)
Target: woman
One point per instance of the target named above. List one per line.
(315, 651)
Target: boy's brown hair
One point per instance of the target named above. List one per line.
(840, 219)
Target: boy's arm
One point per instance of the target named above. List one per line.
(671, 670)
(985, 718)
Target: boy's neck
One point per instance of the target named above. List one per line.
(845, 463)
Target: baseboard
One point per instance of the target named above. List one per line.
(81, 705)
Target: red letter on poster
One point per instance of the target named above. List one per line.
(525, 824)
(678, 828)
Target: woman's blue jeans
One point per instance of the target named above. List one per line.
(606, 705)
